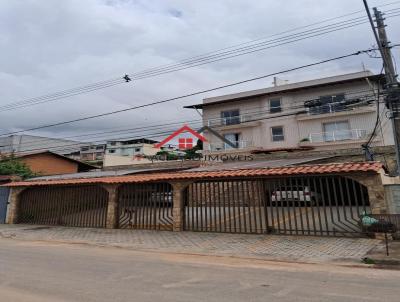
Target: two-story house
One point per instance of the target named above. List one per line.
(128, 152)
(326, 113)
(92, 152)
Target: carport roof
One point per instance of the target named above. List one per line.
(372, 167)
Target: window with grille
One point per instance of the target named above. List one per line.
(277, 134)
(230, 117)
(275, 105)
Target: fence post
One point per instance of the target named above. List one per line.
(178, 213)
(14, 204)
(112, 207)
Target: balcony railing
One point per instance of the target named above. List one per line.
(327, 108)
(337, 135)
(232, 120)
(223, 146)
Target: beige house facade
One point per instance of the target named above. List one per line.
(129, 152)
(327, 113)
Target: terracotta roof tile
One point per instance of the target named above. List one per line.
(374, 167)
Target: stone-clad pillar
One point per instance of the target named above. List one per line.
(179, 204)
(112, 208)
(14, 204)
(376, 192)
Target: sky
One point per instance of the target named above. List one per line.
(49, 46)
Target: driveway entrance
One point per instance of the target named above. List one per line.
(323, 206)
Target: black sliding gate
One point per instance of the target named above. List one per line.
(80, 206)
(146, 206)
(323, 205)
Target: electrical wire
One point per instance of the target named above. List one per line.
(157, 134)
(377, 114)
(211, 118)
(176, 67)
(357, 53)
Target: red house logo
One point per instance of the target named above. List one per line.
(184, 142)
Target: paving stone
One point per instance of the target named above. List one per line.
(280, 247)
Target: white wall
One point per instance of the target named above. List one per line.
(296, 129)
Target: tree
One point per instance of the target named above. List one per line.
(191, 153)
(10, 165)
(167, 155)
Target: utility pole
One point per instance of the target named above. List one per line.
(392, 86)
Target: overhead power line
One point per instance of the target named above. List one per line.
(193, 93)
(140, 133)
(253, 111)
(229, 52)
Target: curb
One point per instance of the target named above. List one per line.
(344, 262)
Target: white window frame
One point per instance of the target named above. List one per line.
(238, 134)
(230, 118)
(337, 134)
(272, 134)
(280, 105)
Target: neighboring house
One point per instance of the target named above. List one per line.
(92, 152)
(7, 178)
(327, 113)
(129, 152)
(50, 163)
(32, 143)
(74, 155)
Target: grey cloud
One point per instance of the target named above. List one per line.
(49, 46)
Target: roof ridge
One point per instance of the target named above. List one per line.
(292, 166)
(330, 168)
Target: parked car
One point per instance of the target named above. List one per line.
(162, 198)
(294, 194)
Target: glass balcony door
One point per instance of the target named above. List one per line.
(337, 131)
(233, 138)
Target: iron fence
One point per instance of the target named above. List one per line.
(146, 206)
(79, 206)
(313, 205)
(386, 223)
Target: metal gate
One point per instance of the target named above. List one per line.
(4, 192)
(82, 206)
(146, 206)
(323, 205)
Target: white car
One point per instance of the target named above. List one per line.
(294, 194)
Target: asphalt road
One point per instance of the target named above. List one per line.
(39, 271)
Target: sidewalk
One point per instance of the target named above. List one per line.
(378, 255)
(284, 248)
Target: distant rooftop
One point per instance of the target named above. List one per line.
(339, 79)
(99, 173)
(135, 141)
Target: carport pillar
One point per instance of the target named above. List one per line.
(14, 204)
(376, 192)
(112, 207)
(178, 212)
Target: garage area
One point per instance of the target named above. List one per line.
(76, 206)
(312, 205)
(145, 206)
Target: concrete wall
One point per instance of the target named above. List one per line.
(392, 193)
(116, 159)
(297, 127)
